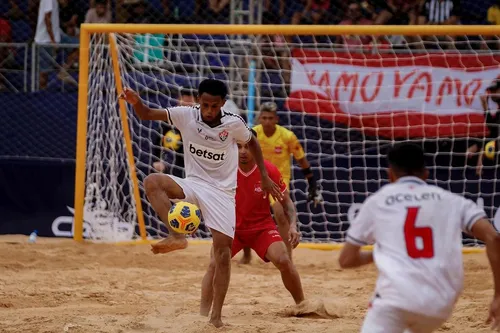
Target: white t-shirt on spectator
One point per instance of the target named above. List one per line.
(42, 34)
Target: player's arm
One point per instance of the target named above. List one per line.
(484, 231)
(484, 101)
(298, 153)
(157, 149)
(352, 256)
(360, 233)
(289, 209)
(143, 111)
(479, 164)
(268, 186)
(314, 193)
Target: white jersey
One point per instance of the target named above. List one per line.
(210, 154)
(416, 229)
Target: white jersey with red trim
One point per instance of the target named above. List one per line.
(417, 232)
(210, 153)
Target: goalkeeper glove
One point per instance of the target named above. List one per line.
(314, 192)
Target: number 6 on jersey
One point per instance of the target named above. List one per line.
(413, 233)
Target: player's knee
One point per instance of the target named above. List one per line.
(151, 183)
(284, 263)
(211, 266)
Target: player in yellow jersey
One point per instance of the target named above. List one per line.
(277, 144)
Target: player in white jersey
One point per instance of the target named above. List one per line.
(416, 229)
(209, 136)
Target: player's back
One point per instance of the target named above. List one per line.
(417, 229)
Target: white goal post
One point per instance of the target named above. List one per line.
(347, 92)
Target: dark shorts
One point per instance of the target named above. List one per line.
(47, 59)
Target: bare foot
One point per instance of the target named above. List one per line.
(217, 322)
(169, 244)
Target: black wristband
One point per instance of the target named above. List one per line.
(307, 172)
(312, 183)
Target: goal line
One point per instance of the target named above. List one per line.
(310, 246)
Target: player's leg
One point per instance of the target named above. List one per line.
(277, 254)
(219, 215)
(207, 287)
(283, 225)
(207, 284)
(384, 319)
(423, 324)
(222, 256)
(247, 256)
(160, 189)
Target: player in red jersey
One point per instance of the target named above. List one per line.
(256, 229)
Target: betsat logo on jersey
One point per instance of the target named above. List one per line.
(207, 154)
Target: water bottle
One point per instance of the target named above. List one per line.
(32, 238)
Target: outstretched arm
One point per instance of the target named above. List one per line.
(143, 111)
(268, 186)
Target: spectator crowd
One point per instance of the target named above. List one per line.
(58, 21)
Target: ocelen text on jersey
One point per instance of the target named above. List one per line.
(411, 198)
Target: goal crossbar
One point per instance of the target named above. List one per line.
(215, 29)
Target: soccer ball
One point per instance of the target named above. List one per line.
(184, 217)
(172, 140)
(490, 149)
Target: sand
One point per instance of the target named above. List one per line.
(58, 285)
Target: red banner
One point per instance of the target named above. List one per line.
(395, 96)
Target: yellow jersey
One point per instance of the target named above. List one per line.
(278, 147)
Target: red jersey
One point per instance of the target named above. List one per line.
(253, 210)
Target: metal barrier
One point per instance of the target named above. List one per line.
(53, 56)
(10, 64)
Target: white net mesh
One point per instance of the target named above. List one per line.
(346, 98)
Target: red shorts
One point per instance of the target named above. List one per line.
(258, 240)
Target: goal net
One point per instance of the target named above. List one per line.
(346, 97)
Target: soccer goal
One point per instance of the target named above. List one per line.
(348, 92)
